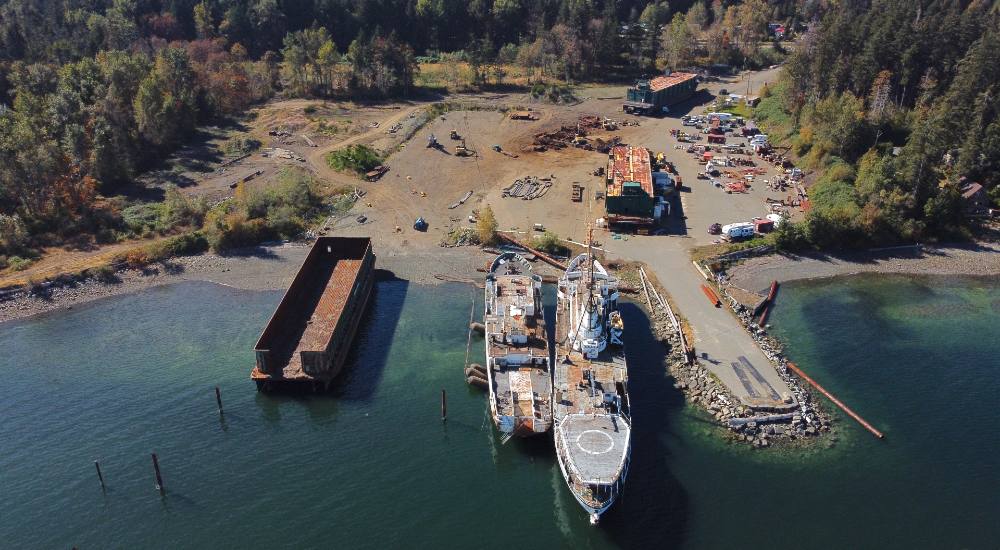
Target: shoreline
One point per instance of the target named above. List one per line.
(756, 274)
(259, 268)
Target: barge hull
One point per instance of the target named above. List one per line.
(308, 338)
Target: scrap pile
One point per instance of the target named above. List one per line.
(602, 146)
(280, 153)
(528, 188)
(577, 135)
(555, 140)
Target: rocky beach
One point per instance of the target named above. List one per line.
(975, 259)
(259, 268)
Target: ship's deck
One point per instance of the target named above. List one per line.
(522, 385)
(595, 445)
(515, 292)
(592, 436)
(523, 382)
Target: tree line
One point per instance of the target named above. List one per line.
(94, 92)
(895, 103)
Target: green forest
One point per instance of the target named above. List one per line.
(893, 102)
(896, 105)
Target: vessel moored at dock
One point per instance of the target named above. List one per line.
(517, 350)
(592, 423)
(307, 339)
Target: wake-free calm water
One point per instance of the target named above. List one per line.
(373, 466)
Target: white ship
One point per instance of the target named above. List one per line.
(517, 350)
(590, 399)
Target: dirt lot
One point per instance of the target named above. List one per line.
(423, 182)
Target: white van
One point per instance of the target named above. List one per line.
(738, 230)
(758, 138)
(723, 117)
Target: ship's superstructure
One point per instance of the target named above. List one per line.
(592, 427)
(517, 351)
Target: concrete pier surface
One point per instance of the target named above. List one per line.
(722, 345)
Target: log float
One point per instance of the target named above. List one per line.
(767, 303)
(836, 401)
(774, 290)
(711, 295)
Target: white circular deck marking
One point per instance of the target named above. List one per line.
(594, 441)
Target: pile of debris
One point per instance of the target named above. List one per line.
(576, 137)
(528, 188)
(602, 146)
(558, 139)
(278, 152)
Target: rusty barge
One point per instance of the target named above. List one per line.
(307, 339)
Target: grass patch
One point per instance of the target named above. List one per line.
(771, 115)
(354, 158)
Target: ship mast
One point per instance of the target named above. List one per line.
(591, 299)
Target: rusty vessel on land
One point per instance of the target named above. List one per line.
(517, 350)
(307, 339)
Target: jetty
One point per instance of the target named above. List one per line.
(304, 344)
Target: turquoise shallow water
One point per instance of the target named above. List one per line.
(372, 466)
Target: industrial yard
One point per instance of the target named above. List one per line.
(425, 182)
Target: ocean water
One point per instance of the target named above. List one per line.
(373, 465)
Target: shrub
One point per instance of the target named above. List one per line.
(241, 144)
(17, 263)
(355, 158)
(180, 245)
(143, 218)
(235, 230)
(550, 243)
(486, 226)
(285, 221)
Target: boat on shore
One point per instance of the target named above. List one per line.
(517, 351)
(592, 423)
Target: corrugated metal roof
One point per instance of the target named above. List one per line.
(626, 164)
(663, 82)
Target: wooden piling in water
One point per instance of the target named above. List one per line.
(444, 406)
(218, 398)
(836, 401)
(100, 476)
(159, 478)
